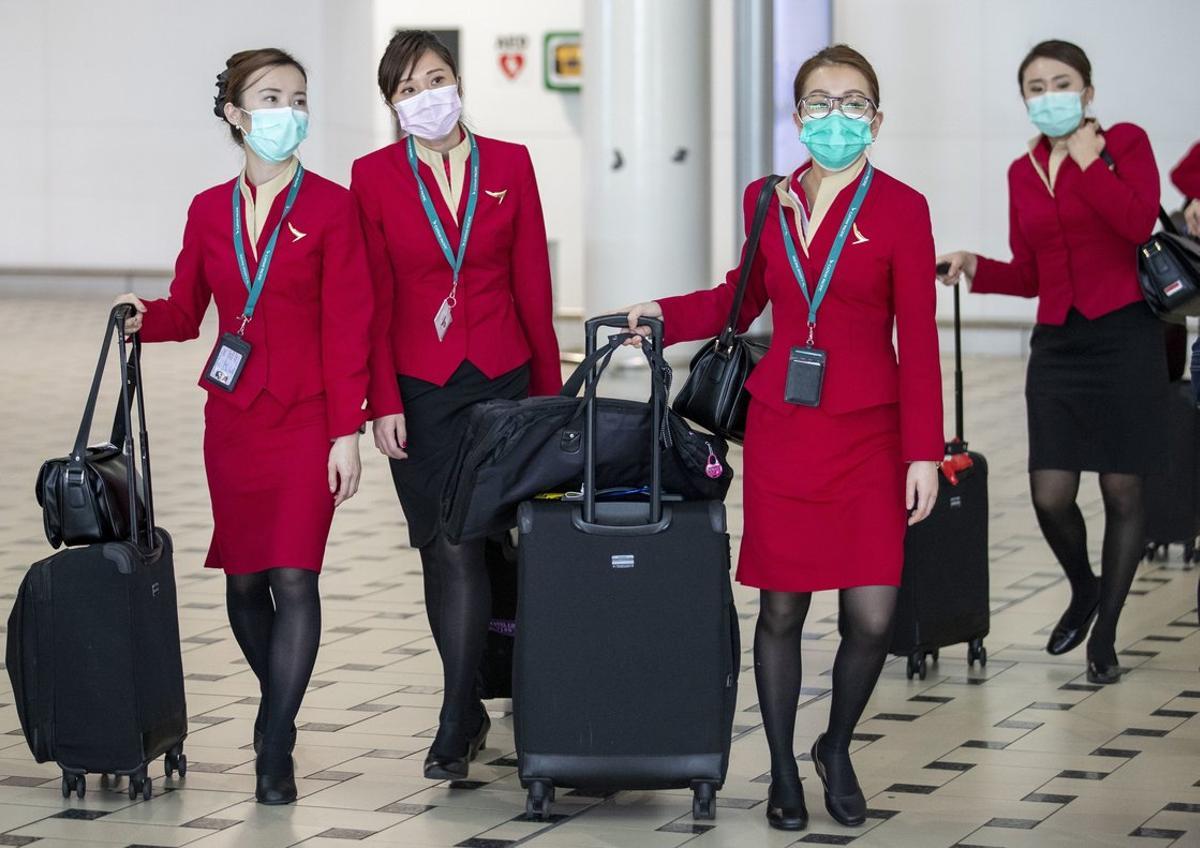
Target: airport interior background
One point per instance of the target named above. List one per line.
(644, 119)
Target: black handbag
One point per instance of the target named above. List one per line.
(89, 496)
(514, 451)
(1168, 267)
(714, 394)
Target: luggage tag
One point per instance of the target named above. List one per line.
(805, 376)
(227, 362)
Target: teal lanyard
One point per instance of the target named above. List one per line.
(814, 299)
(255, 289)
(435, 223)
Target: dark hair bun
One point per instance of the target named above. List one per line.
(222, 96)
(240, 70)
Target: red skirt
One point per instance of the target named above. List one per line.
(824, 499)
(268, 481)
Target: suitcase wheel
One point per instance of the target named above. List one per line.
(141, 784)
(704, 801)
(917, 666)
(976, 651)
(538, 800)
(76, 783)
(175, 761)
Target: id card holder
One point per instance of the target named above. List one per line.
(805, 376)
(227, 362)
(443, 319)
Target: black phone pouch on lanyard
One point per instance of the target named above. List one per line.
(805, 376)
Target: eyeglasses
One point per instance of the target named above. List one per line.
(854, 106)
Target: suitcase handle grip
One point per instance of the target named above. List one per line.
(652, 347)
(619, 320)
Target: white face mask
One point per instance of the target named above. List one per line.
(431, 114)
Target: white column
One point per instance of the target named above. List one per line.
(646, 150)
(753, 98)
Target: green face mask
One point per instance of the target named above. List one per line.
(835, 141)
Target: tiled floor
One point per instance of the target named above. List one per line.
(1022, 754)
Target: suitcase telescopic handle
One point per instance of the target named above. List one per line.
(652, 345)
(131, 388)
(944, 268)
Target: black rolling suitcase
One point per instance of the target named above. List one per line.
(627, 645)
(93, 638)
(1173, 497)
(944, 589)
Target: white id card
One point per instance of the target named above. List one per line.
(443, 319)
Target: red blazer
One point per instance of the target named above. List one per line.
(1076, 246)
(1186, 175)
(504, 317)
(309, 335)
(884, 281)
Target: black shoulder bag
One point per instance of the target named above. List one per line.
(89, 496)
(1168, 267)
(714, 395)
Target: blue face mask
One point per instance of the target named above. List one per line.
(1056, 113)
(835, 141)
(276, 133)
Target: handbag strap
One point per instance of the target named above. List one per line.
(79, 451)
(1165, 219)
(748, 253)
(575, 382)
(132, 380)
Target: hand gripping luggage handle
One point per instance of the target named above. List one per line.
(652, 345)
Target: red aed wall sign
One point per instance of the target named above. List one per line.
(511, 50)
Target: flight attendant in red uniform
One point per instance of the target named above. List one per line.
(458, 247)
(281, 252)
(1096, 384)
(1186, 177)
(831, 483)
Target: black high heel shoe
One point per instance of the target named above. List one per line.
(849, 810)
(1103, 670)
(275, 789)
(1065, 638)
(440, 766)
(786, 809)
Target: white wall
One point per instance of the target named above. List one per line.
(110, 133)
(107, 129)
(954, 116)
